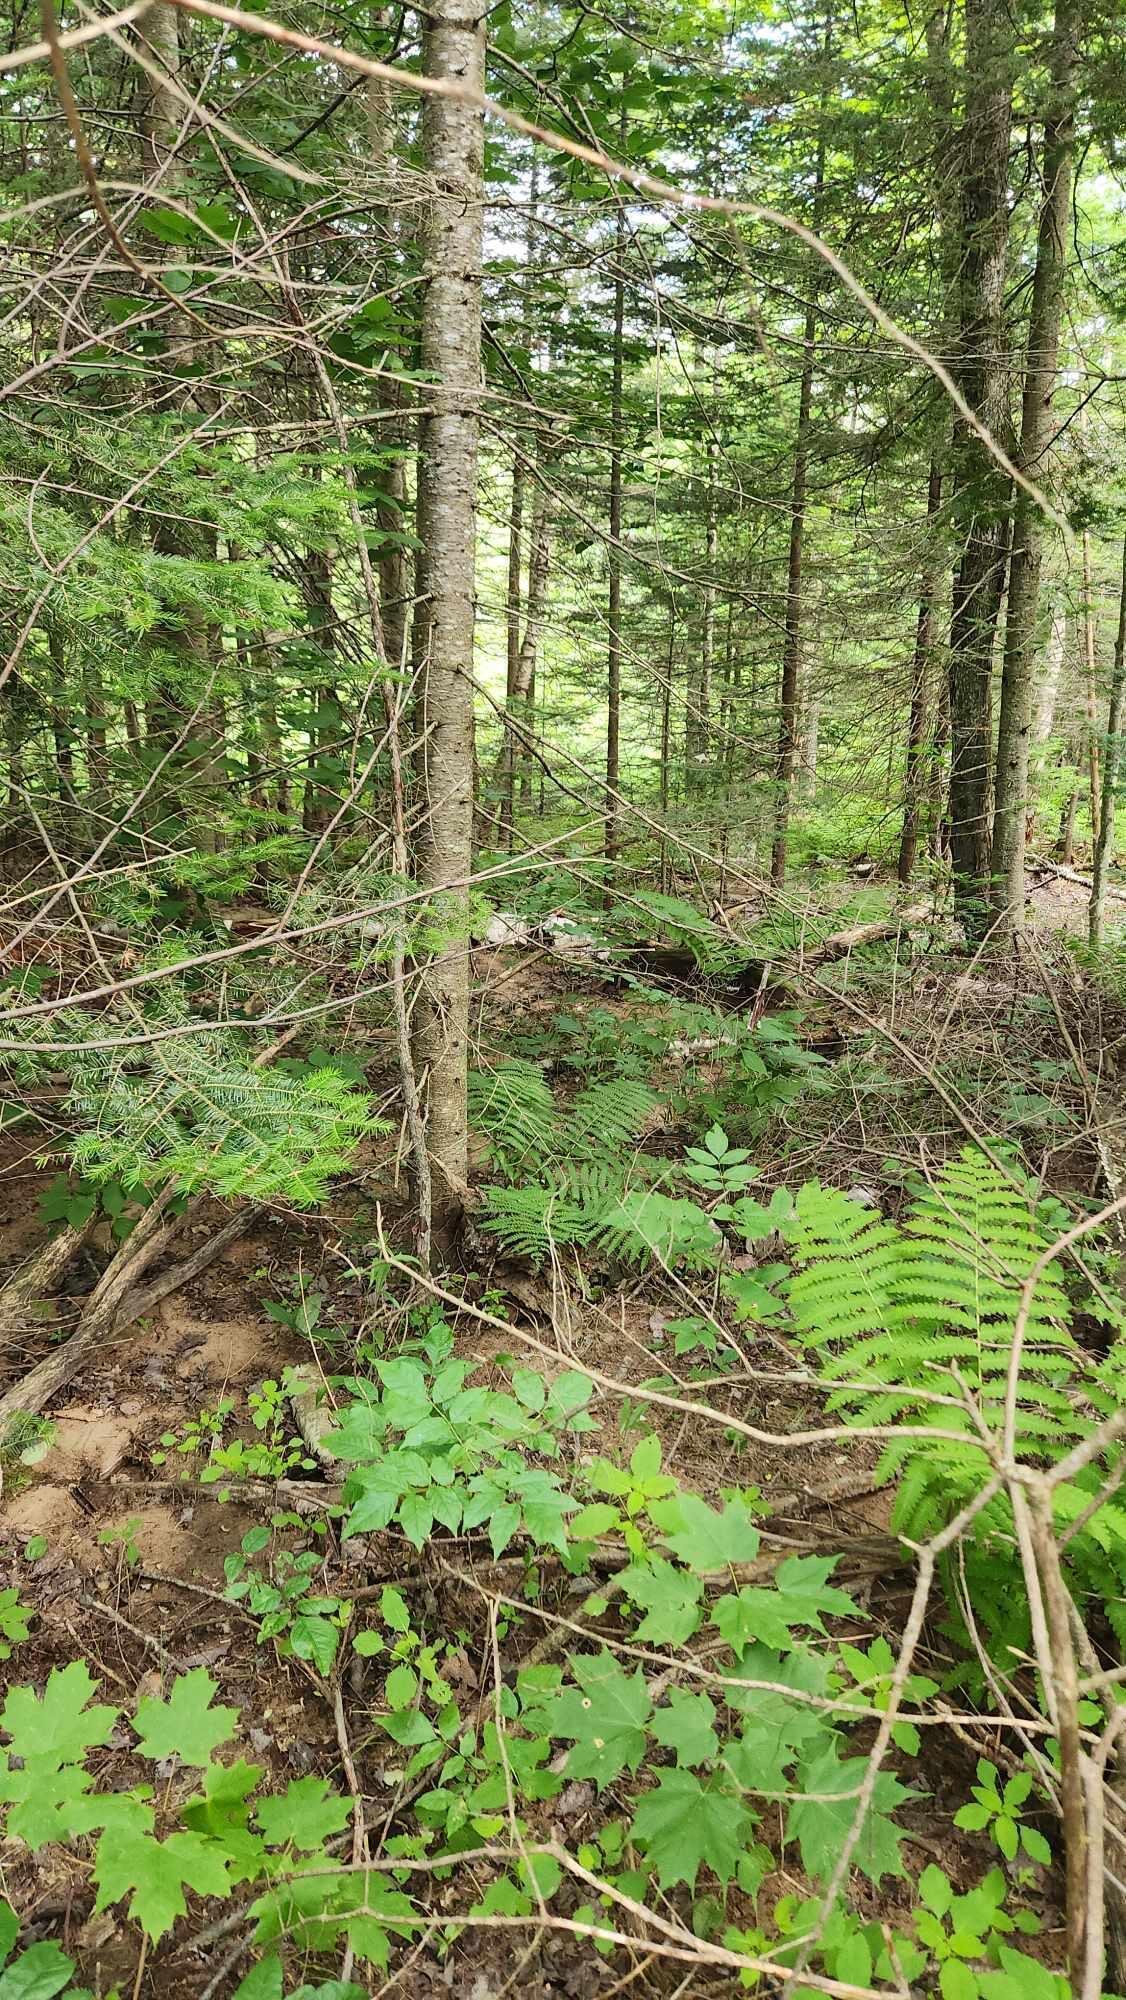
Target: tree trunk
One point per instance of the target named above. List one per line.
(1104, 844)
(1050, 680)
(698, 720)
(914, 781)
(1090, 690)
(518, 718)
(613, 553)
(60, 728)
(324, 724)
(785, 756)
(453, 52)
(1041, 368)
(981, 489)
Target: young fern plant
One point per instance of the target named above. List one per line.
(583, 1181)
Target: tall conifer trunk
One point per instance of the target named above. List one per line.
(1041, 367)
(453, 51)
(981, 487)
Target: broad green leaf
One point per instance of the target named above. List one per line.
(265, 1981)
(683, 1824)
(821, 1822)
(801, 1582)
(669, 1597)
(604, 1715)
(130, 1862)
(315, 1638)
(222, 1810)
(186, 1725)
(304, 1815)
(704, 1539)
(687, 1726)
(37, 1974)
(59, 1729)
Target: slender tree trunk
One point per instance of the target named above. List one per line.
(981, 489)
(921, 684)
(1065, 845)
(1112, 763)
(786, 754)
(1090, 690)
(1041, 368)
(324, 722)
(698, 719)
(791, 645)
(1050, 679)
(613, 553)
(452, 52)
(519, 715)
(61, 730)
(665, 750)
(97, 753)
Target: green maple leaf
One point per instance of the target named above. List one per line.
(59, 1729)
(129, 1861)
(775, 1735)
(749, 1614)
(687, 1726)
(799, 1596)
(186, 1725)
(805, 1671)
(604, 1716)
(304, 1815)
(670, 1597)
(704, 1539)
(820, 1824)
(222, 1811)
(264, 1981)
(683, 1823)
(801, 1582)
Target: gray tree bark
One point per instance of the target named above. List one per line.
(1041, 370)
(981, 489)
(453, 51)
(1112, 762)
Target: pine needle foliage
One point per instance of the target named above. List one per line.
(204, 1119)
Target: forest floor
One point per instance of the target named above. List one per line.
(123, 1559)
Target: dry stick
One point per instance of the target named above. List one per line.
(928, 1556)
(40, 1274)
(137, 1304)
(74, 38)
(1062, 1676)
(148, 1239)
(359, 1825)
(146, 1639)
(1095, 1777)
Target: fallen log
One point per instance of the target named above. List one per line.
(857, 935)
(117, 1301)
(35, 1280)
(1065, 874)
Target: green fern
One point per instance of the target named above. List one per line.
(513, 1107)
(904, 1313)
(575, 1164)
